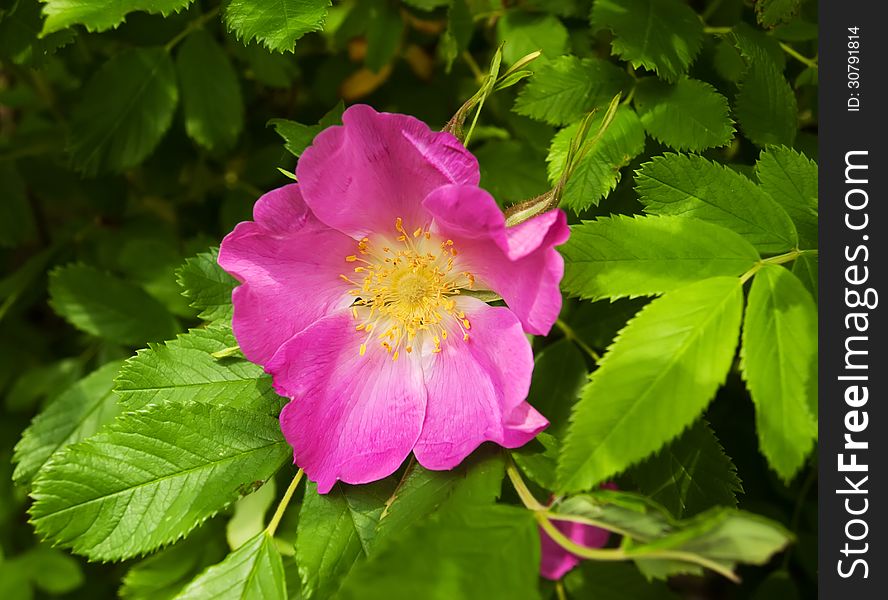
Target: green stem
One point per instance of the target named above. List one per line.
(571, 335)
(282, 507)
(810, 62)
(591, 522)
(710, 10)
(195, 24)
(473, 66)
(773, 260)
(559, 590)
(527, 497)
(716, 30)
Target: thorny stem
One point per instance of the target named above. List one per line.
(774, 260)
(571, 336)
(195, 24)
(282, 507)
(809, 62)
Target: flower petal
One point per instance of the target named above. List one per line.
(555, 561)
(289, 265)
(351, 418)
(520, 263)
(477, 389)
(359, 177)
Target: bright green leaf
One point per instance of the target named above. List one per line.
(108, 307)
(563, 90)
(97, 15)
(152, 476)
(298, 137)
(248, 518)
(185, 370)
(211, 94)
(207, 286)
(691, 186)
(663, 369)
(117, 131)
(75, 415)
(275, 23)
(254, 570)
(599, 170)
(779, 364)
(659, 35)
(765, 105)
(791, 179)
(538, 459)
(687, 115)
(523, 33)
(805, 268)
(642, 256)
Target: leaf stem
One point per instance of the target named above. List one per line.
(773, 260)
(527, 497)
(559, 590)
(810, 62)
(195, 24)
(571, 336)
(716, 30)
(285, 501)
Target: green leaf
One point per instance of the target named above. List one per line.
(275, 23)
(686, 115)
(765, 105)
(117, 131)
(559, 372)
(511, 170)
(207, 286)
(211, 94)
(643, 256)
(108, 307)
(255, 570)
(791, 179)
(385, 28)
(691, 186)
(599, 170)
(20, 39)
(770, 13)
(184, 370)
(335, 532)
(659, 35)
(248, 517)
(162, 576)
(631, 514)
(691, 474)
(456, 38)
(96, 15)
(298, 137)
(614, 581)
(658, 376)
(75, 415)
(458, 547)
(16, 217)
(523, 33)
(805, 268)
(779, 364)
(152, 476)
(538, 459)
(563, 90)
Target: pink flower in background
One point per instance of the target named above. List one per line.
(353, 296)
(555, 561)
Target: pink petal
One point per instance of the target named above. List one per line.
(352, 418)
(519, 263)
(359, 177)
(476, 389)
(555, 560)
(289, 265)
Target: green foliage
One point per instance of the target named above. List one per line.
(16, 220)
(659, 35)
(791, 179)
(657, 377)
(559, 374)
(779, 363)
(619, 581)
(275, 23)
(152, 477)
(691, 186)
(117, 131)
(108, 307)
(96, 15)
(298, 137)
(643, 256)
(774, 12)
(523, 33)
(686, 115)
(766, 106)
(207, 286)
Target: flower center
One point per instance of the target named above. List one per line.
(404, 292)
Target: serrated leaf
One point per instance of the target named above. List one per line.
(563, 90)
(207, 286)
(599, 170)
(255, 570)
(687, 115)
(336, 531)
(97, 15)
(162, 576)
(659, 35)
(770, 13)
(76, 414)
(779, 364)
(791, 179)
(298, 137)
(211, 94)
(458, 544)
(152, 476)
(765, 105)
(623, 256)
(185, 370)
(275, 23)
(113, 132)
(691, 186)
(108, 307)
(523, 33)
(690, 474)
(663, 369)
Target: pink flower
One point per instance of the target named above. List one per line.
(353, 297)
(556, 561)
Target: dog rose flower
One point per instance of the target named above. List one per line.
(354, 296)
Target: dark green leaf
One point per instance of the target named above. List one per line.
(766, 106)
(559, 373)
(773, 12)
(16, 217)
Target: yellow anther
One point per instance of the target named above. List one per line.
(466, 324)
(395, 355)
(418, 232)
(465, 337)
(351, 258)
(362, 350)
